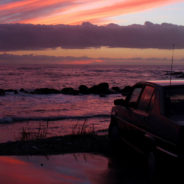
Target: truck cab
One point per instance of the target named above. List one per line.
(151, 118)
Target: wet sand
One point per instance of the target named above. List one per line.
(70, 169)
(71, 159)
(76, 168)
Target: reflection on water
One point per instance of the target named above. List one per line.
(76, 169)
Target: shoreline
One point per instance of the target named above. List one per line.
(101, 89)
(99, 144)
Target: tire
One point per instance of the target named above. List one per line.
(114, 137)
(151, 161)
(152, 166)
(113, 132)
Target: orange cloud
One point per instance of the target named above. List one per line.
(72, 12)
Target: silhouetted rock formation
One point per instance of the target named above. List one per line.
(83, 89)
(69, 91)
(23, 90)
(45, 91)
(116, 89)
(101, 89)
(11, 91)
(2, 92)
(175, 74)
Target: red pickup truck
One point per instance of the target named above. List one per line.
(151, 118)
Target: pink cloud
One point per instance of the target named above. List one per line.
(71, 11)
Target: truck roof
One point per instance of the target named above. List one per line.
(163, 83)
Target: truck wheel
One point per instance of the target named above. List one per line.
(152, 166)
(113, 132)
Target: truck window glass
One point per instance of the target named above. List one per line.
(145, 99)
(134, 97)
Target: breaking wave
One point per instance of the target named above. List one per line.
(51, 118)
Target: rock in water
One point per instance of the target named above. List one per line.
(69, 91)
(45, 91)
(2, 92)
(83, 89)
(102, 88)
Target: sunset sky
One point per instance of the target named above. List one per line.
(85, 31)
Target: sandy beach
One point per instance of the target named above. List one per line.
(73, 168)
(77, 159)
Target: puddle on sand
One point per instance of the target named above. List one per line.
(80, 168)
(69, 169)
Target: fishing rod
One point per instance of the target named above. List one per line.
(172, 61)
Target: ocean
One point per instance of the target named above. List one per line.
(61, 114)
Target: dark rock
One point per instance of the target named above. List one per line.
(126, 90)
(45, 91)
(2, 92)
(83, 89)
(102, 95)
(11, 91)
(102, 88)
(116, 89)
(69, 91)
(23, 90)
(175, 74)
(180, 76)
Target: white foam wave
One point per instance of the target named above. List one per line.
(51, 118)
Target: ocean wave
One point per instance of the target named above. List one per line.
(50, 118)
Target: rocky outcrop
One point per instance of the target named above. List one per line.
(69, 91)
(175, 74)
(11, 91)
(22, 90)
(116, 90)
(83, 90)
(2, 92)
(101, 89)
(45, 91)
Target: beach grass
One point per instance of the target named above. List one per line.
(84, 138)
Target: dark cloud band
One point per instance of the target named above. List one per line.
(33, 37)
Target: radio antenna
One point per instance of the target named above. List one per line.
(172, 61)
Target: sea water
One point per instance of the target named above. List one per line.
(60, 113)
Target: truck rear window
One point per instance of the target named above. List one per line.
(174, 100)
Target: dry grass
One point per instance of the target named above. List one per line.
(83, 129)
(41, 133)
(79, 129)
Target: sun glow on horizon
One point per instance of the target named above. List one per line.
(102, 52)
(103, 55)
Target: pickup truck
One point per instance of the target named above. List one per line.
(151, 118)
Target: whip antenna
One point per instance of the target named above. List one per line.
(172, 60)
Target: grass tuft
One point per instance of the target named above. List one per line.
(84, 129)
(41, 133)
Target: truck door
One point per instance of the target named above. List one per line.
(142, 115)
(126, 114)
